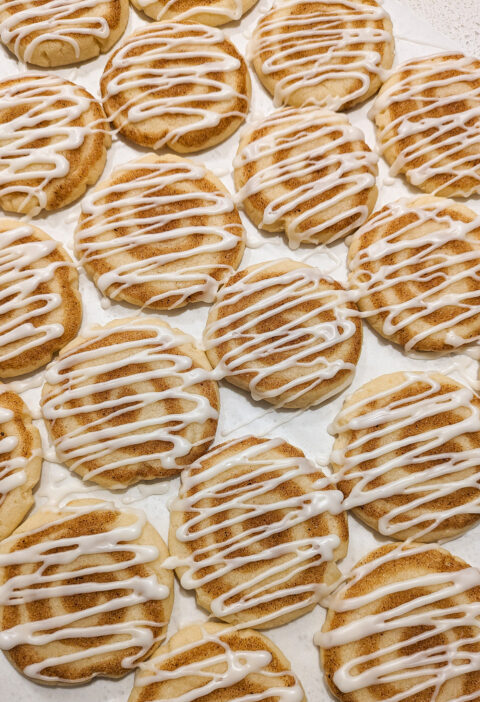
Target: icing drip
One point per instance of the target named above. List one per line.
(433, 635)
(143, 373)
(53, 20)
(12, 470)
(44, 120)
(21, 304)
(223, 668)
(317, 43)
(51, 568)
(442, 261)
(219, 506)
(191, 86)
(301, 145)
(435, 138)
(138, 211)
(290, 303)
(399, 423)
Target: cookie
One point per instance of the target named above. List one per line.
(160, 232)
(51, 33)
(83, 593)
(211, 12)
(427, 117)
(285, 333)
(305, 171)
(130, 401)
(414, 267)
(183, 85)
(53, 142)
(256, 531)
(40, 305)
(328, 53)
(20, 461)
(407, 455)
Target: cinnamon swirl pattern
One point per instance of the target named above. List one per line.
(160, 232)
(405, 626)
(428, 123)
(130, 401)
(40, 306)
(327, 52)
(307, 171)
(213, 662)
(256, 531)
(183, 85)
(415, 270)
(20, 461)
(53, 142)
(407, 455)
(211, 12)
(83, 592)
(60, 32)
(285, 333)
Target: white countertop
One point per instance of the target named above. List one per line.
(457, 19)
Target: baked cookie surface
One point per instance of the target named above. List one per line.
(211, 12)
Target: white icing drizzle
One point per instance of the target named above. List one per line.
(194, 87)
(12, 470)
(303, 338)
(408, 655)
(20, 302)
(433, 253)
(43, 582)
(228, 11)
(142, 205)
(365, 460)
(433, 119)
(334, 42)
(220, 671)
(283, 133)
(42, 107)
(208, 506)
(53, 21)
(155, 357)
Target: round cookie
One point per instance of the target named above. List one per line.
(53, 142)
(407, 455)
(211, 12)
(322, 52)
(285, 333)
(183, 85)
(256, 531)
(60, 32)
(405, 626)
(428, 123)
(306, 171)
(130, 401)
(213, 662)
(83, 592)
(415, 268)
(20, 461)
(40, 305)
(160, 232)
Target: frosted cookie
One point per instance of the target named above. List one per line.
(60, 32)
(53, 142)
(428, 123)
(211, 12)
(20, 461)
(415, 268)
(130, 401)
(285, 333)
(256, 531)
(332, 53)
(40, 305)
(407, 455)
(83, 593)
(212, 662)
(306, 171)
(160, 232)
(177, 84)
(405, 626)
